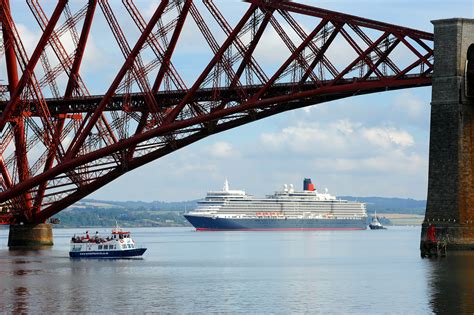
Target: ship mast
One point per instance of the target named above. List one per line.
(226, 185)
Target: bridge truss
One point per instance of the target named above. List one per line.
(59, 143)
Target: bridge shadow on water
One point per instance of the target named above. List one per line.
(451, 281)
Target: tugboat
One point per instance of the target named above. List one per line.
(375, 224)
(118, 245)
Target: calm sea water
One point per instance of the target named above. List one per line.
(185, 271)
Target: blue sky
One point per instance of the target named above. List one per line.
(374, 145)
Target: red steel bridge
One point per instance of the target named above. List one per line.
(59, 143)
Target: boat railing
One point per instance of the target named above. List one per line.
(93, 239)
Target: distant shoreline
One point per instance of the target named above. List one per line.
(402, 219)
(129, 214)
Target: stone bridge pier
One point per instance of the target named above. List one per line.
(450, 207)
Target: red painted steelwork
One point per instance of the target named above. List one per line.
(165, 63)
(12, 72)
(72, 82)
(71, 86)
(10, 53)
(15, 99)
(55, 151)
(75, 147)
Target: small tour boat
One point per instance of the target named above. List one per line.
(375, 224)
(118, 244)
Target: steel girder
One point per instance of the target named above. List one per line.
(56, 149)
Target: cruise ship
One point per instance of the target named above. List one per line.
(284, 210)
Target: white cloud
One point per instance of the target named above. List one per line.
(349, 156)
(401, 138)
(346, 127)
(340, 138)
(396, 162)
(221, 150)
(387, 137)
(271, 50)
(343, 153)
(410, 106)
(29, 38)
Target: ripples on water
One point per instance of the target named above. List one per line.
(185, 271)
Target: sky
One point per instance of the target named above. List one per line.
(372, 145)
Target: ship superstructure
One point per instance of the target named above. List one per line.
(286, 209)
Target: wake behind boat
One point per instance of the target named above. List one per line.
(285, 210)
(118, 245)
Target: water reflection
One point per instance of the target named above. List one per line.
(283, 273)
(452, 283)
(21, 300)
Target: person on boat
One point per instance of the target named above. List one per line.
(87, 235)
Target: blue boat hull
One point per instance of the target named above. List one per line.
(109, 254)
(202, 223)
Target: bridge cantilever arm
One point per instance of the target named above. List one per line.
(342, 17)
(76, 145)
(305, 77)
(320, 55)
(165, 66)
(175, 112)
(161, 130)
(72, 82)
(25, 78)
(71, 85)
(278, 73)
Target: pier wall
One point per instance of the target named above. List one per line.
(31, 236)
(450, 205)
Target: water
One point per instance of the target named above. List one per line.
(185, 271)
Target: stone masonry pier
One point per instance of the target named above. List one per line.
(450, 207)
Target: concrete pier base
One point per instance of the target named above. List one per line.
(450, 205)
(33, 236)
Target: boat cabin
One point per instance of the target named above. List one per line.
(120, 235)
